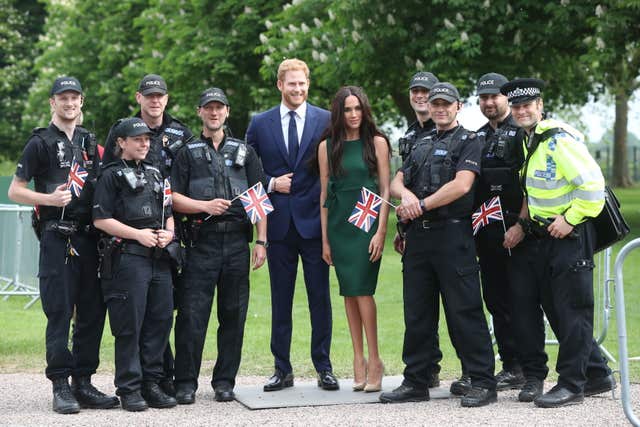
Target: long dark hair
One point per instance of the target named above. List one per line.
(337, 131)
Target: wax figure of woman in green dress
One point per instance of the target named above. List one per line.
(353, 155)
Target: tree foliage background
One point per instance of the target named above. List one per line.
(583, 49)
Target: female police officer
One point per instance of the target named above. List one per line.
(128, 205)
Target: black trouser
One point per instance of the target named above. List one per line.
(68, 282)
(442, 259)
(140, 308)
(556, 275)
(496, 292)
(218, 260)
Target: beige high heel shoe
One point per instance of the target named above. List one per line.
(373, 386)
(359, 386)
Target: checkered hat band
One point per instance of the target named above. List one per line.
(526, 91)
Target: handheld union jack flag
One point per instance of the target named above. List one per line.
(366, 210)
(167, 198)
(489, 211)
(256, 203)
(77, 177)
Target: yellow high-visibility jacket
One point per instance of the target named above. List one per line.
(562, 177)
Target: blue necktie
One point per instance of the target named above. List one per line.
(293, 139)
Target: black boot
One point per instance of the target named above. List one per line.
(90, 397)
(462, 386)
(155, 397)
(133, 402)
(168, 387)
(63, 400)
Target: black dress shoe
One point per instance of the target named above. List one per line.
(185, 396)
(63, 400)
(224, 393)
(531, 390)
(278, 381)
(327, 381)
(434, 380)
(508, 380)
(478, 396)
(90, 397)
(403, 394)
(558, 396)
(133, 402)
(168, 387)
(155, 397)
(462, 386)
(599, 385)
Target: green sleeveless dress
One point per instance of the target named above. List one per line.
(357, 275)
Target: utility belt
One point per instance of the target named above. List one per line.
(197, 227)
(538, 229)
(433, 224)
(134, 248)
(67, 227)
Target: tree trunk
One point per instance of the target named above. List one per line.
(620, 171)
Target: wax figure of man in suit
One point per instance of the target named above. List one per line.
(285, 138)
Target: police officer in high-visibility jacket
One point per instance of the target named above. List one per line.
(553, 270)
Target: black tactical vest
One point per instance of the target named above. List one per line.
(61, 153)
(433, 163)
(502, 158)
(414, 133)
(139, 202)
(217, 174)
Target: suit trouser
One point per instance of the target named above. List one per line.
(283, 267)
(68, 282)
(218, 260)
(441, 259)
(556, 275)
(140, 308)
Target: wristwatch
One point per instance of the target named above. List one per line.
(262, 243)
(424, 209)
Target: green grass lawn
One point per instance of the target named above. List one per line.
(22, 342)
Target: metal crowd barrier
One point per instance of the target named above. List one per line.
(18, 254)
(622, 332)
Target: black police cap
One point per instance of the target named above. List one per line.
(423, 79)
(444, 90)
(520, 91)
(490, 83)
(65, 83)
(213, 94)
(132, 126)
(152, 83)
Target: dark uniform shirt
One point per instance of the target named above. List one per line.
(48, 162)
(415, 132)
(215, 182)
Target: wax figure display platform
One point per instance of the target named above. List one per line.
(307, 393)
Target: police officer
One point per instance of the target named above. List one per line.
(207, 177)
(129, 205)
(502, 158)
(168, 135)
(552, 271)
(68, 257)
(419, 87)
(435, 185)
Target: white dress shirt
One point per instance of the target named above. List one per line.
(301, 112)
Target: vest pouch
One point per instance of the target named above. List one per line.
(435, 181)
(140, 207)
(202, 188)
(238, 185)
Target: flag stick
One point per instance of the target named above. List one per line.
(236, 198)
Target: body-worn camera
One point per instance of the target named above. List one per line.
(135, 180)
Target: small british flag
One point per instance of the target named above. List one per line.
(366, 210)
(256, 203)
(489, 211)
(167, 199)
(77, 177)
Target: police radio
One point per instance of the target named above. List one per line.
(241, 154)
(136, 181)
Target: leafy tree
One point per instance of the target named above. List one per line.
(614, 54)
(21, 22)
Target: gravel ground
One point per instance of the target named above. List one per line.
(26, 400)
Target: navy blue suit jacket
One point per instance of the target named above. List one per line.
(302, 204)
